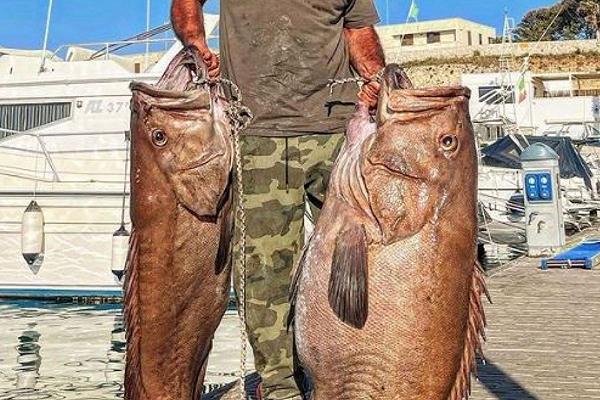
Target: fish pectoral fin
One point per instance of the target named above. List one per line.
(349, 280)
(474, 337)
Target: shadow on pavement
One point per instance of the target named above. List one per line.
(501, 384)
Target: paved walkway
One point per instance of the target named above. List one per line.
(543, 336)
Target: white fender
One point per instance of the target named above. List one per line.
(120, 248)
(32, 233)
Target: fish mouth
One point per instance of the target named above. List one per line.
(397, 172)
(200, 162)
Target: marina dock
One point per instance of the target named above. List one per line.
(543, 336)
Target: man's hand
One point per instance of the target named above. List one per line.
(210, 59)
(369, 94)
(188, 23)
(366, 56)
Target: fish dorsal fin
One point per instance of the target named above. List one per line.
(348, 283)
(134, 386)
(474, 338)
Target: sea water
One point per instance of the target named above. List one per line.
(75, 351)
(61, 351)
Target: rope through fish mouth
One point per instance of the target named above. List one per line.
(239, 117)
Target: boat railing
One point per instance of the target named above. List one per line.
(106, 49)
(52, 157)
(494, 201)
(42, 147)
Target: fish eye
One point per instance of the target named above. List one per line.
(159, 138)
(449, 142)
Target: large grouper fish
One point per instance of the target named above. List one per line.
(387, 295)
(178, 273)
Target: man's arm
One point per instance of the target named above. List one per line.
(188, 23)
(367, 58)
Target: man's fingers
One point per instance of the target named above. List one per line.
(214, 71)
(213, 66)
(370, 94)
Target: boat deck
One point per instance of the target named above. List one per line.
(543, 335)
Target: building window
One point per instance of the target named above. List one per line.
(434, 37)
(470, 38)
(22, 117)
(480, 39)
(408, 40)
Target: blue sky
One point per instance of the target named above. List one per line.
(78, 21)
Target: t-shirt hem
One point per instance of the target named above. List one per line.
(363, 23)
(266, 132)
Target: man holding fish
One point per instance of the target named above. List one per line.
(282, 54)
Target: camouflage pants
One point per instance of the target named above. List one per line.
(280, 175)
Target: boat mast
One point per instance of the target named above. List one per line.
(46, 34)
(506, 82)
(147, 56)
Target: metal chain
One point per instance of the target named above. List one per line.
(359, 81)
(335, 82)
(242, 287)
(240, 117)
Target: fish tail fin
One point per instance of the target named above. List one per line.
(348, 284)
(134, 387)
(295, 283)
(474, 338)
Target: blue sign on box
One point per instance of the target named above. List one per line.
(538, 186)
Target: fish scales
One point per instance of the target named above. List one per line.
(387, 298)
(178, 273)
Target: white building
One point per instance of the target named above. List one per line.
(442, 33)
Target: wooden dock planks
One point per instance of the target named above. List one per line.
(543, 334)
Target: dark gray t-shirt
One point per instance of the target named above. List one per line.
(281, 53)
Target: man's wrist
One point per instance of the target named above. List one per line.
(199, 43)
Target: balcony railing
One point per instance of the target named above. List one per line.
(568, 93)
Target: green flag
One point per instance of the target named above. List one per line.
(413, 13)
(522, 89)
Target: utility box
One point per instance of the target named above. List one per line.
(543, 200)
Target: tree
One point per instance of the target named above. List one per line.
(590, 10)
(566, 20)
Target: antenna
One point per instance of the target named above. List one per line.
(46, 34)
(387, 11)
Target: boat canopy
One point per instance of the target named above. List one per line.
(506, 152)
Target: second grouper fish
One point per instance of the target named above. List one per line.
(387, 297)
(178, 274)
